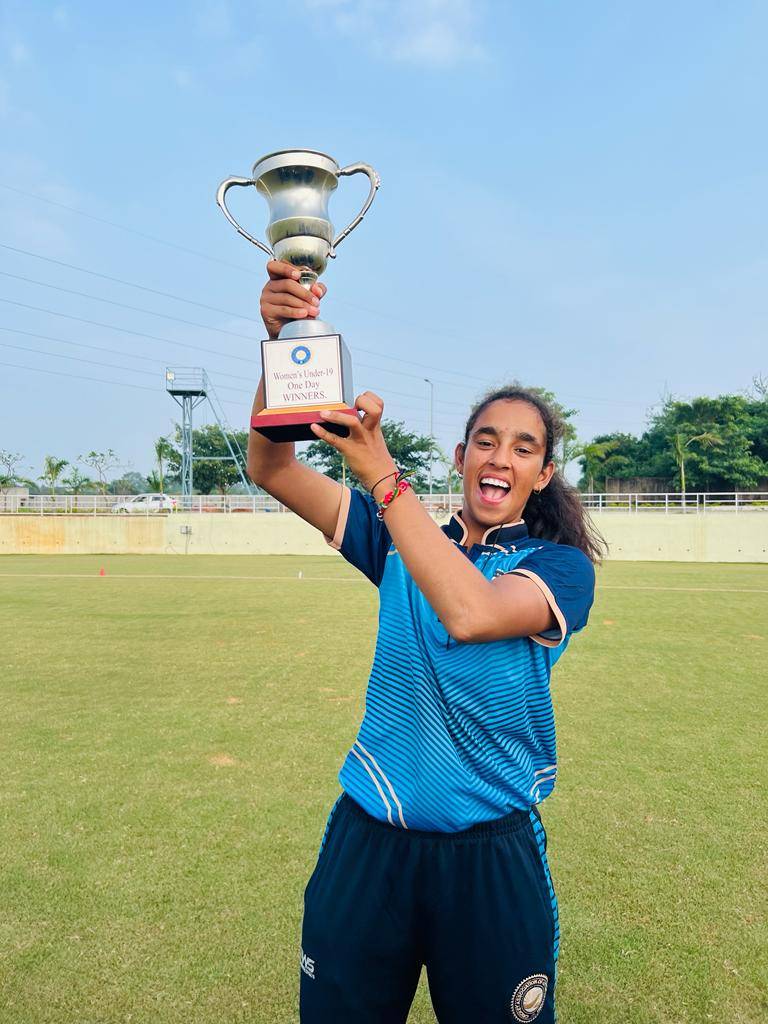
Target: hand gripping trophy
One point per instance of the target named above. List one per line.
(307, 368)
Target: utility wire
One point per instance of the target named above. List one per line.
(131, 231)
(239, 316)
(168, 341)
(111, 366)
(147, 373)
(95, 380)
(125, 305)
(108, 351)
(128, 284)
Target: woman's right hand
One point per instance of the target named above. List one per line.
(284, 299)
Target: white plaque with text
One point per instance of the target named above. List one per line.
(300, 373)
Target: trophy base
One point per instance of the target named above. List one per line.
(276, 425)
(306, 369)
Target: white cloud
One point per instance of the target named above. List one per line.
(440, 34)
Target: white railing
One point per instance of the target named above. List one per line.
(676, 503)
(439, 504)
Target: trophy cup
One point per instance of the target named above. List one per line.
(307, 368)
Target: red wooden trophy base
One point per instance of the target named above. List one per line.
(294, 425)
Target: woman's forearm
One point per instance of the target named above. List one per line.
(452, 585)
(266, 457)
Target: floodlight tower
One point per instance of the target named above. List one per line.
(190, 386)
(188, 389)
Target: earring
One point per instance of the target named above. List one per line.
(537, 490)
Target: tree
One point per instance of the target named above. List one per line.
(101, 463)
(680, 445)
(164, 453)
(452, 476)
(129, 483)
(208, 442)
(52, 470)
(569, 447)
(738, 460)
(9, 463)
(411, 453)
(77, 482)
(593, 458)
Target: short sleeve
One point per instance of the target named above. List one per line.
(566, 578)
(360, 536)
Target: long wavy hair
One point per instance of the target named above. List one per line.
(556, 513)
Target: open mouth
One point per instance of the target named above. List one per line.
(493, 490)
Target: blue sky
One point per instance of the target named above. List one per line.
(573, 195)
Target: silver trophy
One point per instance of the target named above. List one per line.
(300, 380)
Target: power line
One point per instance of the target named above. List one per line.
(190, 323)
(110, 366)
(125, 305)
(78, 376)
(128, 284)
(108, 351)
(131, 231)
(126, 330)
(95, 380)
(236, 334)
(240, 316)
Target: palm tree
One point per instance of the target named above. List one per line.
(594, 456)
(680, 444)
(52, 470)
(77, 483)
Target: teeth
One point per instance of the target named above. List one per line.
(495, 482)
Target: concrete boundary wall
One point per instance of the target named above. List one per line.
(724, 537)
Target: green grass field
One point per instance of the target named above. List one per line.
(171, 735)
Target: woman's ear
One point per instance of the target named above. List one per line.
(546, 474)
(458, 458)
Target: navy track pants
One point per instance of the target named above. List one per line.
(476, 907)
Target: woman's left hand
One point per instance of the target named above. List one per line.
(365, 449)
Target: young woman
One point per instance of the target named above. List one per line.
(435, 854)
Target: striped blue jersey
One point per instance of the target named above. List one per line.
(457, 733)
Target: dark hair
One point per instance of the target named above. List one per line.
(556, 513)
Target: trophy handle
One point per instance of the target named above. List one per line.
(221, 193)
(375, 181)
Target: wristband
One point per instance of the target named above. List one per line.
(401, 485)
(395, 473)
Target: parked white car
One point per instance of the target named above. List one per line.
(145, 504)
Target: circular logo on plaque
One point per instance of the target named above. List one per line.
(528, 999)
(301, 355)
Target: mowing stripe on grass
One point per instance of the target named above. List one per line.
(329, 579)
(176, 576)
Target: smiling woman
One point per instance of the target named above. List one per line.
(434, 854)
(552, 508)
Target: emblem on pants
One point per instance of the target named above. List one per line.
(528, 998)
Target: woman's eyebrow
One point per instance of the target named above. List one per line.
(519, 435)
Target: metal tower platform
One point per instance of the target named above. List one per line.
(190, 386)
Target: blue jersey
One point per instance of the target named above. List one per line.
(455, 734)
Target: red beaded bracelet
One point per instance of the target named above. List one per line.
(401, 485)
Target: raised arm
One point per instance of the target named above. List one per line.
(274, 466)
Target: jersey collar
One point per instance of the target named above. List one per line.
(507, 533)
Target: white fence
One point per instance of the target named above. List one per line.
(440, 504)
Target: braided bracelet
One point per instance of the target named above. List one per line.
(395, 473)
(401, 485)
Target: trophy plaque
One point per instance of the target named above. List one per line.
(307, 368)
